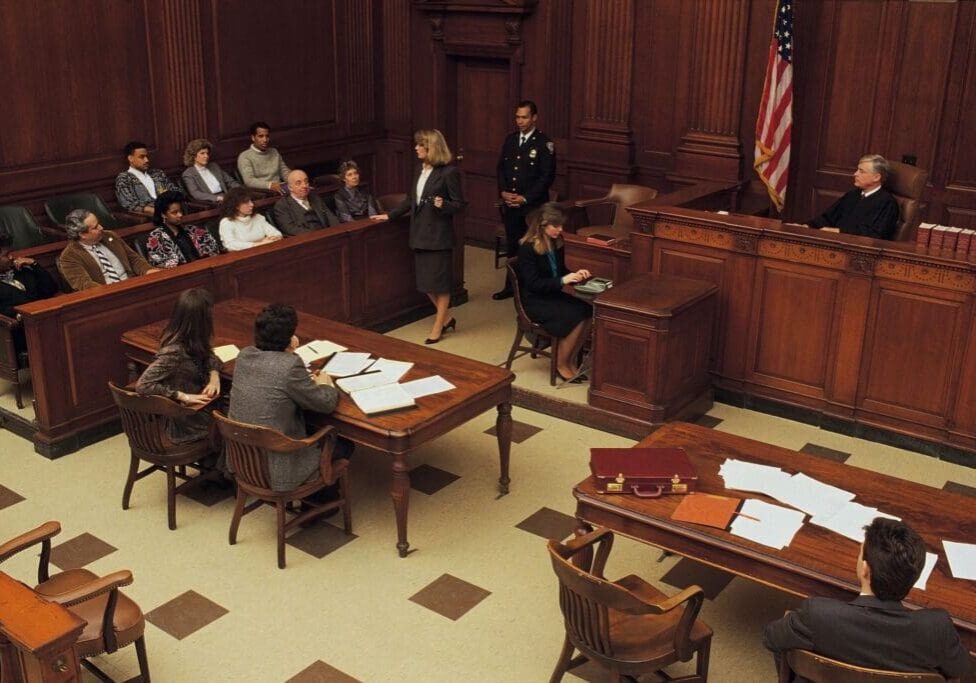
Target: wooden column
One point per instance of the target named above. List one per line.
(183, 101)
(711, 148)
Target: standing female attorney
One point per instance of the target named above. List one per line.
(432, 200)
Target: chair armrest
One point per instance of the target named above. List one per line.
(56, 234)
(92, 589)
(581, 203)
(578, 550)
(328, 434)
(41, 534)
(687, 594)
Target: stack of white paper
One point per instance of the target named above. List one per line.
(391, 368)
(812, 496)
(962, 559)
(227, 352)
(923, 578)
(427, 386)
(850, 520)
(319, 348)
(365, 381)
(382, 399)
(345, 363)
(768, 524)
(748, 476)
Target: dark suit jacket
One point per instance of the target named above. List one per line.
(527, 170)
(271, 388)
(198, 189)
(430, 227)
(38, 284)
(874, 216)
(292, 219)
(873, 633)
(81, 271)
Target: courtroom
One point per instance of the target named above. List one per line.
(488, 340)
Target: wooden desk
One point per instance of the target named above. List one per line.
(818, 561)
(479, 387)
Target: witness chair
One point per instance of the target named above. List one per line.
(626, 626)
(819, 669)
(18, 222)
(13, 362)
(247, 448)
(906, 184)
(114, 620)
(501, 239)
(388, 202)
(145, 420)
(618, 198)
(58, 208)
(538, 339)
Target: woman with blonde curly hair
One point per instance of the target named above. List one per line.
(204, 179)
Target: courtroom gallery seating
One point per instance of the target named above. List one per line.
(618, 198)
(819, 669)
(538, 336)
(145, 420)
(20, 225)
(57, 208)
(247, 447)
(113, 619)
(907, 183)
(626, 626)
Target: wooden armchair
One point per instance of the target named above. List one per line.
(145, 420)
(619, 197)
(114, 620)
(12, 362)
(525, 326)
(626, 626)
(247, 449)
(819, 669)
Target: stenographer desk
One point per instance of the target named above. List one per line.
(817, 561)
(479, 387)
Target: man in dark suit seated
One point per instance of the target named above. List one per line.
(21, 281)
(868, 209)
(875, 630)
(301, 211)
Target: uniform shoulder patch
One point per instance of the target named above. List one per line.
(551, 147)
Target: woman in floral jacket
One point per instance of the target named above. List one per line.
(171, 243)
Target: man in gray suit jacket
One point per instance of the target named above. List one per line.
(301, 211)
(271, 388)
(876, 630)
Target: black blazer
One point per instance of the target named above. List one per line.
(292, 219)
(430, 227)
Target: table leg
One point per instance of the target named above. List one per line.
(400, 491)
(503, 428)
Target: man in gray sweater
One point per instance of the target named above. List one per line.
(261, 165)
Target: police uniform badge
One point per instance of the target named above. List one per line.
(533, 153)
(551, 147)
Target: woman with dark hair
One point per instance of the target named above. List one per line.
(542, 273)
(352, 203)
(171, 243)
(240, 227)
(432, 200)
(204, 179)
(185, 368)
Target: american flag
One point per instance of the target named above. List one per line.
(775, 121)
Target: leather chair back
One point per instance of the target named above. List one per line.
(18, 222)
(819, 669)
(388, 202)
(906, 183)
(58, 208)
(623, 196)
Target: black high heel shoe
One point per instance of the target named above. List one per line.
(451, 325)
(428, 340)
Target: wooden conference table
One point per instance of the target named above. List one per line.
(817, 561)
(479, 387)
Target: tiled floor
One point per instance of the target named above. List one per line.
(476, 601)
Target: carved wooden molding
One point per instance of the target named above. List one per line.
(803, 253)
(946, 277)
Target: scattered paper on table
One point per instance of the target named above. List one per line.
(749, 476)
(923, 578)
(364, 381)
(767, 524)
(850, 520)
(962, 559)
(393, 368)
(319, 348)
(345, 363)
(812, 496)
(227, 352)
(382, 399)
(427, 386)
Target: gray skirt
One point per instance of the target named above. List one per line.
(434, 270)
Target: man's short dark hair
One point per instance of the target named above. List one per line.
(530, 104)
(131, 147)
(896, 555)
(274, 327)
(259, 124)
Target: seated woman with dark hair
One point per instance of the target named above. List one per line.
(171, 243)
(542, 274)
(185, 368)
(242, 228)
(204, 179)
(352, 203)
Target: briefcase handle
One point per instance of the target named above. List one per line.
(637, 492)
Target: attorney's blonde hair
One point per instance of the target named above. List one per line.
(438, 153)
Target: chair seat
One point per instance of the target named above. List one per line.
(129, 622)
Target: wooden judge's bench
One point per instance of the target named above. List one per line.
(862, 336)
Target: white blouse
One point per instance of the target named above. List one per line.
(422, 182)
(245, 232)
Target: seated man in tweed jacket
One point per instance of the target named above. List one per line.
(96, 256)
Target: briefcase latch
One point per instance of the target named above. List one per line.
(677, 486)
(617, 486)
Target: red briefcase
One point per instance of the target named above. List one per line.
(644, 472)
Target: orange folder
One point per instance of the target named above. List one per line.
(706, 509)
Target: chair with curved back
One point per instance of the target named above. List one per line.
(819, 669)
(906, 183)
(18, 222)
(58, 208)
(626, 626)
(145, 420)
(526, 327)
(113, 619)
(247, 448)
(619, 197)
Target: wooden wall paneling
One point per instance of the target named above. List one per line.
(710, 148)
(847, 345)
(398, 49)
(962, 424)
(355, 52)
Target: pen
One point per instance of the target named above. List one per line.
(742, 514)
